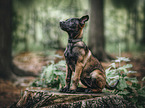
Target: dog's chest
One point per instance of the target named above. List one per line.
(70, 55)
(73, 51)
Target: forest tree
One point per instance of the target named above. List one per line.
(6, 39)
(96, 31)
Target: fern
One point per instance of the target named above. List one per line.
(52, 76)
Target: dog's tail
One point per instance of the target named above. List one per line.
(111, 87)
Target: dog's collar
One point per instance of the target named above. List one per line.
(74, 40)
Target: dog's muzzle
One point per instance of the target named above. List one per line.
(62, 25)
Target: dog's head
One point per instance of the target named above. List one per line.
(73, 26)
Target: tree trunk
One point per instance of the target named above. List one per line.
(143, 28)
(96, 32)
(6, 39)
(7, 69)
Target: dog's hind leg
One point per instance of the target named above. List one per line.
(95, 83)
(98, 80)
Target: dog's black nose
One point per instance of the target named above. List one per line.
(61, 23)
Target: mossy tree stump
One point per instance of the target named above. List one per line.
(55, 99)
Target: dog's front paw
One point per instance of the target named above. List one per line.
(67, 90)
(88, 91)
(71, 91)
(64, 90)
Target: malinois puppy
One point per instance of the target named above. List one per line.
(80, 60)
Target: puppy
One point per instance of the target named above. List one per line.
(80, 60)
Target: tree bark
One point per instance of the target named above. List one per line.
(54, 99)
(6, 39)
(96, 32)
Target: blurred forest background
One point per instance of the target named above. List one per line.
(36, 24)
(115, 26)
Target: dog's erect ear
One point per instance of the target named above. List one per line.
(83, 19)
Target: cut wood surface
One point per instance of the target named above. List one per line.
(55, 99)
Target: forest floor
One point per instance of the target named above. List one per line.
(33, 62)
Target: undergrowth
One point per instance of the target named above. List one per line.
(128, 87)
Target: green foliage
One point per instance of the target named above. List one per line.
(52, 76)
(128, 4)
(127, 87)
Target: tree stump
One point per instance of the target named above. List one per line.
(55, 99)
